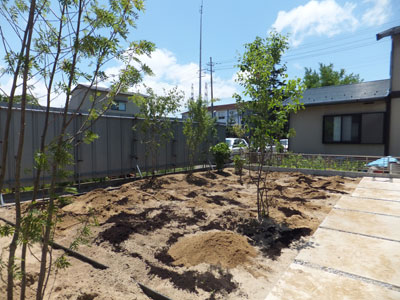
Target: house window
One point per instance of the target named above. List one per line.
(354, 129)
(118, 105)
(221, 115)
(233, 117)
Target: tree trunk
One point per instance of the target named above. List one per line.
(13, 245)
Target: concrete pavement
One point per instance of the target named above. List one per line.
(355, 252)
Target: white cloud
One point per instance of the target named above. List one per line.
(378, 14)
(169, 73)
(37, 88)
(317, 18)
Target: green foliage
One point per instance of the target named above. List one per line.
(62, 262)
(317, 163)
(221, 153)
(32, 225)
(84, 234)
(64, 201)
(197, 127)
(58, 44)
(6, 230)
(71, 190)
(238, 130)
(155, 111)
(238, 162)
(264, 80)
(327, 76)
(89, 137)
(17, 99)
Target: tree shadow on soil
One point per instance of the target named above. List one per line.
(270, 236)
(224, 174)
(125, 224)
(221, 200)
(195, 180)
(216, 279)
(152, 183)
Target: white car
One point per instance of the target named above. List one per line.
(237, 145)
(285, 144)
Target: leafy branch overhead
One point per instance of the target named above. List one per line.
(59, 43)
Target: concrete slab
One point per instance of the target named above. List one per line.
(369, 205)
(380, 185)
(363, 256)
(380, 179)
(387, 227)
(301, 282)
(377, 194)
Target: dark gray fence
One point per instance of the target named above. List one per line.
(119, 151)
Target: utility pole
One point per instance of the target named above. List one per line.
(211, 64)
(201, 30)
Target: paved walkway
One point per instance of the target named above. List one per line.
(355, 252)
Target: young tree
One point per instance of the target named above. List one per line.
(197, 127)
(155, 111)
(60, 43)
(263, 77)
(328, 76)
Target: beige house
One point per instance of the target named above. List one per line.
(359, 119)
(82, 96)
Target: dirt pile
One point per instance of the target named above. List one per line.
(224, 248)
(189, 237)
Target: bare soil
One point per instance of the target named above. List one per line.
(191, 237)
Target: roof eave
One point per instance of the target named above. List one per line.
(347, 101)
(388, 32)
(102, 89)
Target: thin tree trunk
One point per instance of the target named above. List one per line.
(36, 182)
(13, 245)
(50, 209)
(23, 271)
(39, 168)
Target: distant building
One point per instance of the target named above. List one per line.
(224, 114)
(82, 95)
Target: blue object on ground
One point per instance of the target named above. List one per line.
(382, 162)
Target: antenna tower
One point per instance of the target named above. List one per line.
(201, 33)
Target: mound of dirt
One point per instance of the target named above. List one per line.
(224, 248)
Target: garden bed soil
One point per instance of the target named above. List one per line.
(193, 237)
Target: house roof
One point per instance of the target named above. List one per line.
(364, 91)
(103, 89)
(219, 107)
(388, 32)
(223, 107)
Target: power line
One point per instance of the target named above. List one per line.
(320, 52)
(316, 49)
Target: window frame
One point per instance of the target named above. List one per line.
(116, 106)
(359, 139)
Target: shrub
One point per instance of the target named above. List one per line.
(221, 153)
(238, 161)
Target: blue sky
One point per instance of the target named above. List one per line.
(327, 31)
(342, 32)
